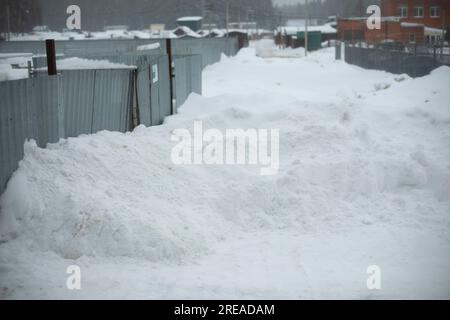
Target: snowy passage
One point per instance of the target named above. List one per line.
(364, 180)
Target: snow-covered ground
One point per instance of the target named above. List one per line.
(364, 180)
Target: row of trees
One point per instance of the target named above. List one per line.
(19, 14)
(137, 14)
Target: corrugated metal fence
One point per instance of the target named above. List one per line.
(94, 100)
(30, 108)
(188, 77)
(398, 62)
(210, 49)
(87, 101)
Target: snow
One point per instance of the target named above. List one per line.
(97, 35)
(80, 63)
(151, 46)
(364, 180)
(411, 25)
(7, 72)
(187, 32)
(15, 55)
(266, 48)
(8, 63)
(41, 36)
(118, 34)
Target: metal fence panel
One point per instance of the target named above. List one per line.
(143, 96)
(87, 101)
(164, 87)
(29, 109)
(188, 77)
(210, 49)
(78, 101)
(196, 72)
(112, 100)
(180, 84)
(46, 102)
(396, 62)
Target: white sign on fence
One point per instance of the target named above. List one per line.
(154, 73)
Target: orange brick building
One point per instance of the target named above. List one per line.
(407, 21)
(431, 13)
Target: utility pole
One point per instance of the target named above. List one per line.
(306, 27)
(239, 14)
(8, 21)
(248, 22)
(444, 22)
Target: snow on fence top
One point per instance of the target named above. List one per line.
(152, 46)
(189, 19)
(79, 64)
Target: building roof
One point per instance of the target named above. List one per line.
(325, 29)
(185, 31)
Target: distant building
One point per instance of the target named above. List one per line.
(294, 37)
(430, 13)
(193, 23)
(406, 21)
(157, 28)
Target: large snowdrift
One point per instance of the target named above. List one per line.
(364, 176)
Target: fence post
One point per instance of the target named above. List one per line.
(51, 57)
(135, 115)
(171, 73)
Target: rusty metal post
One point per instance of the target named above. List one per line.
(51, 57)
(171, 73)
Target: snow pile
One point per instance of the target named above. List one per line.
(7, 72)
(80, 63)
(267, 49)
(364, 179)
(19, 59)
(186, 31)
